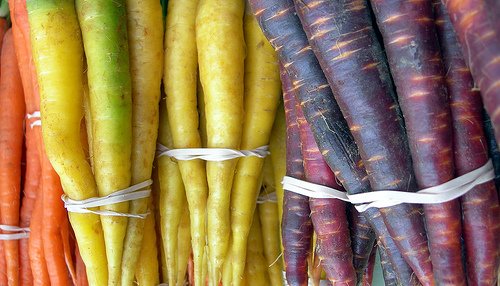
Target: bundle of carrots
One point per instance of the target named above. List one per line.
(141, 147)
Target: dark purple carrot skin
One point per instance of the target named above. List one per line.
(283, 29)
(367, 275)
(329, 216)
(388, 272)
(480, 208)
(479, 38)
(362, 240)
(297, 227)
(342, 36)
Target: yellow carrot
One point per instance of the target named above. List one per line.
(145, 38)
(58, 53)
(277, 147)
(256, 265)
(180, 80)
(221, 53)
(184, 246)
(104, 32)
(262, 93)
(147, 272)
(268, 214)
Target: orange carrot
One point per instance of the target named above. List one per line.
(54, 218)
(3, 266)
(37, 259)
(81, 274)
(11, 144)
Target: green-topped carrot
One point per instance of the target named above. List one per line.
(145, 38)
(104, 31)
(58, 53)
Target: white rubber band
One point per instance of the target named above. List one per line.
(267, 198)
(445, 192)
(312, 190)
(210, 154)
(35, 114)
(129, 194)
(20, 232)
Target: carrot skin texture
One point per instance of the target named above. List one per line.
(388, 271)
(12, 112)
(479, 39)
(329, 216)
(362, 240)
(296, 225)
(480, 207)
(378, 130)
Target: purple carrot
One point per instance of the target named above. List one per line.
(296, 225)
(329, 216)
(367, 275)
(342, 36)
(362, 240)
(480, 208)
(479, 38)
(412, 48)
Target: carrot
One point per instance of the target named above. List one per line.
(256, 267)
(144, 20)
(172, 198)
(31, 191)
(104, 33)
(12, 112)
(219, 31)
(81, 274)
(480, 207)
(328, 216)
(37, 258)
(362, 240)
(277, 147)
(180, 83)
(479, 39)
(368, 272)
(423, 99)
(494, 152)
(388, 271)
(183, 247)
(54, 215)
(398, 270)
(269, 220)
(57, 47)
(262, 94)
(296, 226)
(147, 270)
